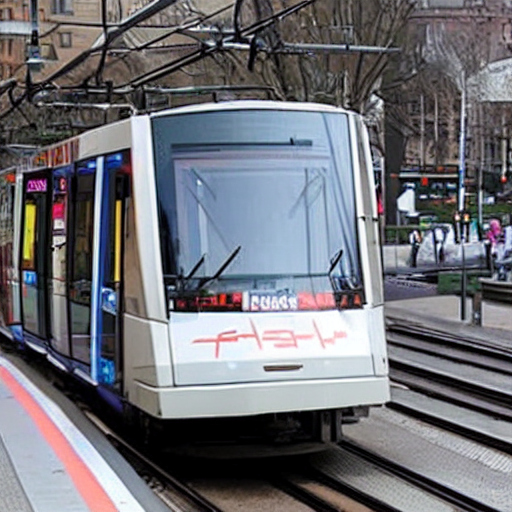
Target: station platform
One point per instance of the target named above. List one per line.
(52, 458)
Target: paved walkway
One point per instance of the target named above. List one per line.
(442, 313)
(52, 458)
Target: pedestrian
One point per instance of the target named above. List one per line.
(440, 234)
(415, 241)
(494, 235)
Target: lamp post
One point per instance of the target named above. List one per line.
(462, 147)
(34, 60)
(462, 216)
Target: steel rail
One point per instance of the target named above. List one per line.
(448, 494)
(482, 390)
(486, 359)
(469, 394)
(496, 291)
(352, 492)
(446, 424)
(188, 494)
(301, 494)
(295, 491)
(447, 393)
(427, 333)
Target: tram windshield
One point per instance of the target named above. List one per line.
(269, 192)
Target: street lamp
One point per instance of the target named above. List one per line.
(462, 216)
(34, 60)
(462, 220)
(462, 147)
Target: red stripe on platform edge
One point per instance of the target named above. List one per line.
(86, 483)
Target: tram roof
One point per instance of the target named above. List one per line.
(250, 105)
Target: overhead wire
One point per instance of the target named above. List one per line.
(147, 44)
(112, 32)
(204, 51)
(101, 64)
(146, 12)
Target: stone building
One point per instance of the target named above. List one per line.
(63, 33)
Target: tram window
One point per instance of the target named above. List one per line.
(58, 229)
(7, 287)
(280, 154)
(29, 236)
(82, 268)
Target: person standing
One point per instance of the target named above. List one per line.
(415, 241)
(494, 235)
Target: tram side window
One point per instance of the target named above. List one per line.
(7, 190)
(82, 268)
(29, 236)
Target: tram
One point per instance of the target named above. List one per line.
(215, 264)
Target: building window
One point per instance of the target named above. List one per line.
(62, 6)
(6, 14)
(65, 39)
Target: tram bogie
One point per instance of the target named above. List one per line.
(213, 264)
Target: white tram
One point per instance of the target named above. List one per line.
(216, 263)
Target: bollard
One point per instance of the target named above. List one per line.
(477, 308)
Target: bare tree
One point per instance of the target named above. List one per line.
(347, 79)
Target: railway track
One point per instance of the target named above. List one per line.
(450, 497)
(322, 488)
(181, 493)
(436, 337)
(177, 495)
(476, 374)
(308, 486)
(313, 485)
(471, 374)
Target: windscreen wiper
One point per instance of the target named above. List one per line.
(334, 261)
(223, 267)
(346, 282)
(180, 280)
(196, 267)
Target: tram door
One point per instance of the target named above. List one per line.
(110, 275)
(95, 265)
(35, 250)
(80, 260)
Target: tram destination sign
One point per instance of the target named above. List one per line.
(37, 185)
